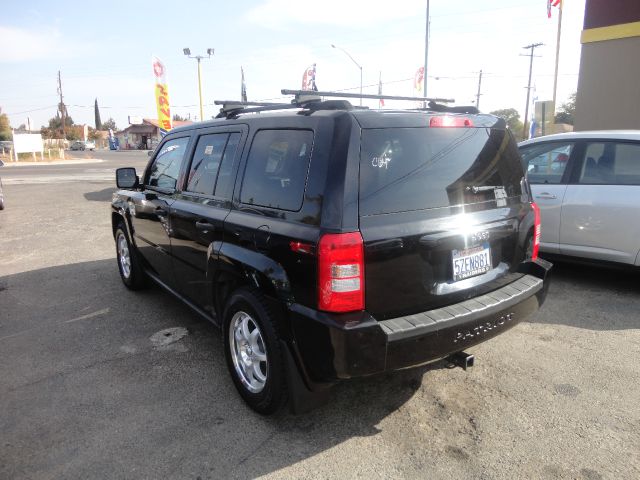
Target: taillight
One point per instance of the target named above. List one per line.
(536, 230)
(449, 121)
(341, 272)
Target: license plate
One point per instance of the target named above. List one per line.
(471, 261)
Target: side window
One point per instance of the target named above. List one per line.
(610, 163)
(547, 162)
(276, 172)
(205, 163)
(166, 166)
(224, 185)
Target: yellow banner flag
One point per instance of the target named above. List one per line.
(162, 96)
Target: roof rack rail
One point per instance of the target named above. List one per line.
(305, 93)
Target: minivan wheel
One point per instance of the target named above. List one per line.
(253, 351)
(129, 267)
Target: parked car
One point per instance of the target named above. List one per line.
(587, 185)
(1, 192)
(81, 145)
(329, 242)
(6, 146)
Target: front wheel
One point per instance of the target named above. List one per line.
(131, 272)
(253, 352)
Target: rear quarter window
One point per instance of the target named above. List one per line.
(404, 169)
(277, 168)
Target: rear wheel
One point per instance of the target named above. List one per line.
(131, 272)
(253, 351)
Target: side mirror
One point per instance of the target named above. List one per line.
(127, 178)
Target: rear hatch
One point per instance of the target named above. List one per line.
(441, 212)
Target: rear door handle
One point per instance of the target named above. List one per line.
(205, 226)
(546, 196)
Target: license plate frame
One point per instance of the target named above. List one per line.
(471, 262)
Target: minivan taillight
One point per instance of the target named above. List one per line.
(341, 272)
(536, 230)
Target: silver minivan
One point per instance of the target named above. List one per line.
(587, 185)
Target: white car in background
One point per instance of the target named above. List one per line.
(587, 185)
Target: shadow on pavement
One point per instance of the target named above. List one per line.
(103, 195)
(85, 394)
(592, 297)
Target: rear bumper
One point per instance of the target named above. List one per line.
(330, 347)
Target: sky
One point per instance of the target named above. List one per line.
(103, 50)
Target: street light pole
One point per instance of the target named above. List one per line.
(357, 65)
(210, 52)
(200, 88)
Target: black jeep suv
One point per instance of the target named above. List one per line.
(329, 242)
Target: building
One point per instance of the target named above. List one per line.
(145, 135)
(609, 86)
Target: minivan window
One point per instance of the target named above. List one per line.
(611, 163)
(403, 169)
(205, 163)
(165, 169)
(546, 163)
(276, 171)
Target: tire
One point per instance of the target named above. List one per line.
(261, 383)
(131, 271)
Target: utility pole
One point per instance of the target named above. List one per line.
(555, 75)
(531, 47)
(478, 94)
(426, 55)
(62, 107)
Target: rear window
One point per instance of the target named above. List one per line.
(403, 169)
(611, 163)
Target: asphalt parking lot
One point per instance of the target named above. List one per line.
(86, 392)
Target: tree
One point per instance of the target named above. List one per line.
(97, 115)
(5, 127)
(94, 134)
(566, 113)
(109, 124)
(178, 118)
(512, 117)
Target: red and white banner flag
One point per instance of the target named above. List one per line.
(551, 4)
(309, 79)
(418, 81)
(381, 101)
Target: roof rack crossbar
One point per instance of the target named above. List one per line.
(302, 93)
(245, 104)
